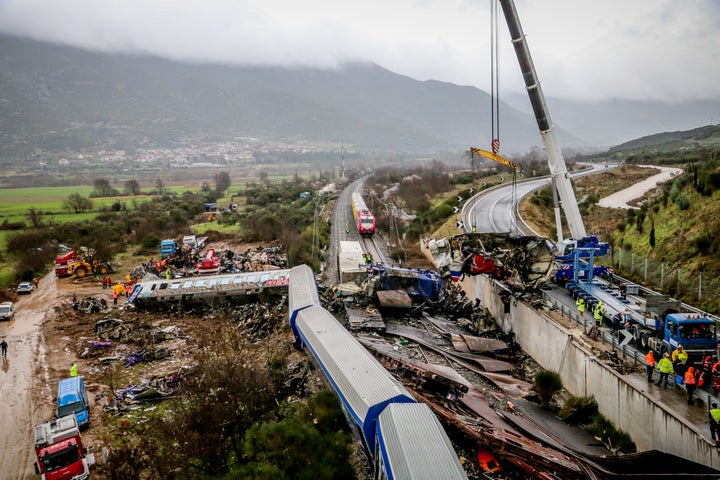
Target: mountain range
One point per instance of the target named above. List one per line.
(60, 98)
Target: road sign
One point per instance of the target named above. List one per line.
(627, 336)
(456, 209)
(460, 225)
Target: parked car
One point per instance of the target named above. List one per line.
(7, 310)
(25, 287)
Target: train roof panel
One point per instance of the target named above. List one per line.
(302, 291)
(414, 444)
(360, 380)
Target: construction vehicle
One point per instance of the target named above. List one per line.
(696, 333)
(60, 452)
(81, 268)
(62, 262)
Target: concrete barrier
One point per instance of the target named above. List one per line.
(651, 425)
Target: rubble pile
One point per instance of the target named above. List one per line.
(184, 262)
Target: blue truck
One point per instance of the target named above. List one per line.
(167, 247)
(73, 400)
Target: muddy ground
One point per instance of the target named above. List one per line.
(47, 335)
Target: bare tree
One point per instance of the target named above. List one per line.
(35, 217)
(76, 203)
(132, 187)
(222, 182)
(159, 186)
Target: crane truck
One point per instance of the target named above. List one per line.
(656, 321)
(60, 452)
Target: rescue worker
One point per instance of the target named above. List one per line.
(474, 229)
(623, 291)
(665, 367)
(73, 370)
(716, 375)
(690, 384)
(679, 359)
(598, 316)
(36, 281)
(347, 230)
(650, 363)
(714, 419)
(580, 303)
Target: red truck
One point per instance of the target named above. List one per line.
(62, 262)
(60, 451)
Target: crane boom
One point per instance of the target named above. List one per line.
(558, 169)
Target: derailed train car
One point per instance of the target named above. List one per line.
(403, 437)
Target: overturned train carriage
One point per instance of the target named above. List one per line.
(366, 390)
(208, 290)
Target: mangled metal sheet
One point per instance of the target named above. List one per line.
(438, 345)
(470, 343)
(521, 262)
(367, 318)
(394, 299)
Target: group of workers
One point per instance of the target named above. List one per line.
(119, 288)
(367, 258)
(677, 365)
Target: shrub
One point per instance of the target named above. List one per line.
(579, 410)
(613, 438)
(547, 383)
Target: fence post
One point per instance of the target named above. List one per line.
(645, 276)
(700, 287)
(662, 274)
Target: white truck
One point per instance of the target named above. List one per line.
(198, 243)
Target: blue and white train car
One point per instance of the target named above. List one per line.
(412, 444)
(366, 389)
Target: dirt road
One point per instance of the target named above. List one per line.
(18, 380)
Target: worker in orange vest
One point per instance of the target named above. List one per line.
(690, 384)
(650, 363)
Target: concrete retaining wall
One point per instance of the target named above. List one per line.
(650, 425)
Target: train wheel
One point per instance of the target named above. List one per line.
(644, 341)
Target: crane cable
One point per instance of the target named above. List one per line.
(495, 93)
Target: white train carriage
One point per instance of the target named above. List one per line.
(412, 444)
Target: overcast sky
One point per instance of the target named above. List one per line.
(582, 49)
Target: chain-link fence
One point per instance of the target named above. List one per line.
(701, 290)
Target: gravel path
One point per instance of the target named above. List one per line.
(623, 197)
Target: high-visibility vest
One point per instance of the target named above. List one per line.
(73, 370)
(665, 365)
(700, 378)
(715, 413)
(716, 368)
(689, 378)
(650, 359)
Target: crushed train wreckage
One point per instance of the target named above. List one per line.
(521, 262)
